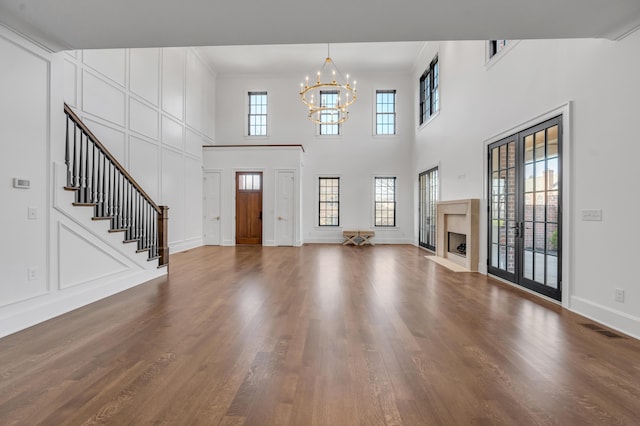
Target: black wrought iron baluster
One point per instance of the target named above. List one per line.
(103, 185)
(116, 195)
(94, 190)
(87, 189)
(76, 180)
(125, 187)
(67, 159)
(131, 207)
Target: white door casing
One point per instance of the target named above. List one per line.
(285, 199)
(211, 226)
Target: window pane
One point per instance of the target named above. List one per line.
(257, 122)
(329, 204)
(385, 201)
(385, 112)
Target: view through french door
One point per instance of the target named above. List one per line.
(428, 194)
(524, 220)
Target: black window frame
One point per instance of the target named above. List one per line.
(263, 108)
(496, 47)
(327, 203)
(327, 129)
(430, 91)
(381, 115)
(378, 203)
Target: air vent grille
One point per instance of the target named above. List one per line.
(604, 332)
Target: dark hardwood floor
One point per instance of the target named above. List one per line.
(318, 335)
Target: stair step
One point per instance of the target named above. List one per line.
(119, 230)
(85, 204)
(71, 188)
(130, 241)
(153, 258)
(102, 218)
(142, 250)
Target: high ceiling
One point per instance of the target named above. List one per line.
(85, 24)
(305, 58)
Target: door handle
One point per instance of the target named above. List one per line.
(280, 218)
(216, 218)
(518, 228)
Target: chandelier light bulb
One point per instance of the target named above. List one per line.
(329, 108)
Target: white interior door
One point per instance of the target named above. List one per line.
(285, 199)
(211, 208)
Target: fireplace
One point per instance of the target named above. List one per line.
(457, 232)
(457, 244)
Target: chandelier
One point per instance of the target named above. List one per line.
(328, 101)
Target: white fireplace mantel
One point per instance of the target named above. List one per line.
(461, 217)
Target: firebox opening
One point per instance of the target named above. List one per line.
(457, 244)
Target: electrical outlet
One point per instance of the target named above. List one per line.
(32, 213)
(32, 273)
(619, 295)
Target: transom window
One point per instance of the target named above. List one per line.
(430, 91)
(249, 182)
(257, 120)
(385, 112)
(329, 98)
(329, 201)
(385, 203)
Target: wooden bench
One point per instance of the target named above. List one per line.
(358, 238)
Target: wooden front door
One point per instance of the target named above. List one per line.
(248, 207)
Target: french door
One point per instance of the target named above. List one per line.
(525, 205)
(428, 194)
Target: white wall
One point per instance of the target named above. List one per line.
(154, 109)
(268, 160)
(357, 156)
(119, 93)
(595, 83)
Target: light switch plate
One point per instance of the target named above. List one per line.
(592, 215)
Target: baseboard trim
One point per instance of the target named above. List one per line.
(55, 304)
(620, 321)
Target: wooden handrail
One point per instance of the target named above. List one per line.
(103, 183)
(112, 159)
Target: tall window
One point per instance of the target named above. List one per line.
(329, 98)
(329, 201)
(257, 121)
(385, 204)
(496, 46)
(385, 112)
(430, 91)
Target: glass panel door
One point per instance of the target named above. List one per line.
(525, 208)
(541, 213)
(428, 194)
(503, 191)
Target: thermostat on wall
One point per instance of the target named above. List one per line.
(21, 183)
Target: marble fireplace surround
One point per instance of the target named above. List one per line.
(462, 217)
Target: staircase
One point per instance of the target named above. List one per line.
(101, 182)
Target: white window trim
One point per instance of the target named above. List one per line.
(316, 213)
(374, 117)
(492, 60)
(430, 119)
(245, 122)
(322, 136)
(373, 201)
